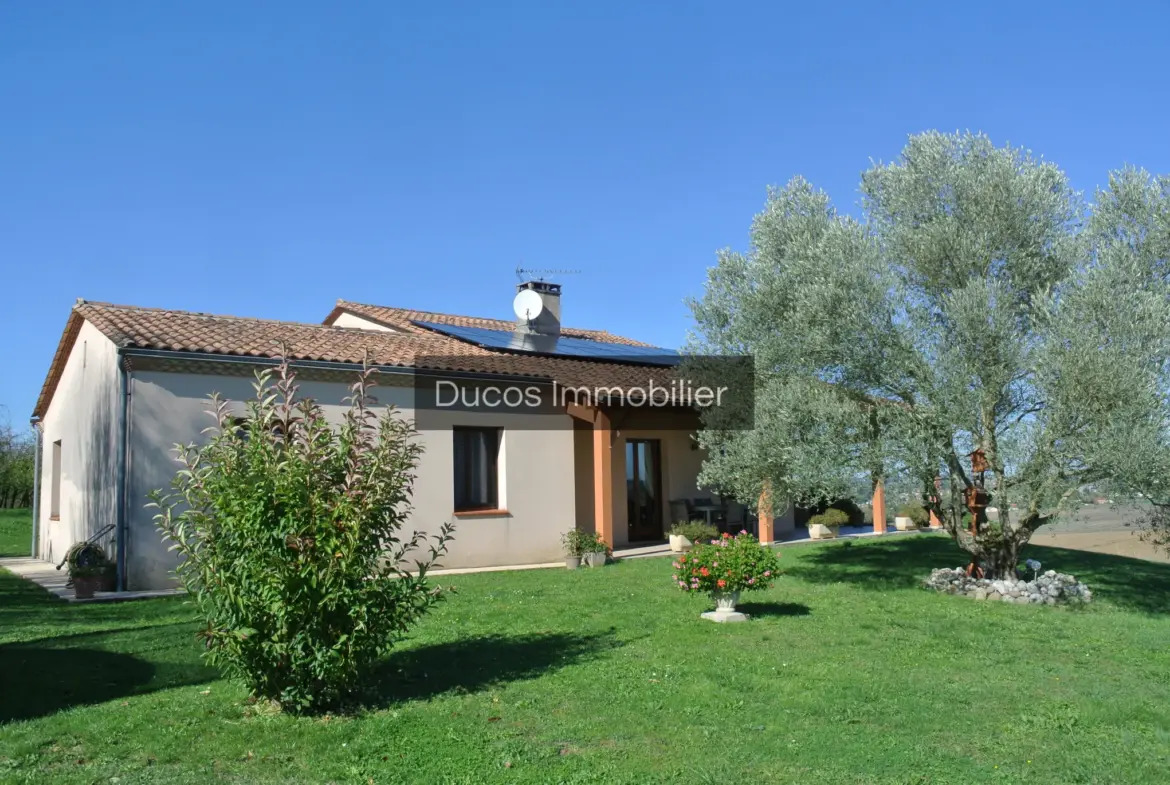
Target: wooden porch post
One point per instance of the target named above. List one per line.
(603, 476)
(879, 508)
(767, 535)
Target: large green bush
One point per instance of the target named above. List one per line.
(289, 532)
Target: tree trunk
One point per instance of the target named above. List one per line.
(1001, 562)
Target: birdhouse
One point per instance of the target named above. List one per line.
(979, 462)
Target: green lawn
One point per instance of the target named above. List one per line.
(15, 532)
(849, 674)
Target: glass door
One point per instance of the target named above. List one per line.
(644, 489)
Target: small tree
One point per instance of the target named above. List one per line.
(979, 303)
(289, 533)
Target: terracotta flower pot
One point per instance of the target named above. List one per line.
(85, 585)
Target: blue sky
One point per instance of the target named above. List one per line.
(268, 158)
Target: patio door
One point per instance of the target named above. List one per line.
(644, 489)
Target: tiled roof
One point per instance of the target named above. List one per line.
(184, 331)
(401, 318)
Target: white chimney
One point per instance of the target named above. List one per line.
(538, 308)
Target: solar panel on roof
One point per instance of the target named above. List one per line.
(557, 346)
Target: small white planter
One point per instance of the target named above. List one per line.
(905, 524)
(572, 562)
(594, 559)
(680, 544)
(725, 611)
(819, 531)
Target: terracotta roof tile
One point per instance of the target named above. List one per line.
(185, 331)
(401, 318)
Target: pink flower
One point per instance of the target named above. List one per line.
(682, 584)
(716, 564)
(767, 573)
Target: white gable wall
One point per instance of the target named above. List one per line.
(83, 416)
(347, 319)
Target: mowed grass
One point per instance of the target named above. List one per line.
(848, 674)
(15, 532)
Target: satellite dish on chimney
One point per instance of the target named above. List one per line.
(527, 305)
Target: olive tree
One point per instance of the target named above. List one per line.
(978, 303)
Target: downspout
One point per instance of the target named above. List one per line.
(123, 447)
(35, 422)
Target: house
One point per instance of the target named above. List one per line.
(126, 384)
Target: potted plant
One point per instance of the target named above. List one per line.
(911, 517)
(725, 568)
(684, 535)
(596, 551)
(827, 525)
(575, 542)
(88, 566)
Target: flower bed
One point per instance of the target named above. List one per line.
(1049, 588)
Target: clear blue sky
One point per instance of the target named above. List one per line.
(267, 158)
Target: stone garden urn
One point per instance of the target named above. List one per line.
(904, 524)
(725, 602)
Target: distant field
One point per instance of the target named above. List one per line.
(15, 532)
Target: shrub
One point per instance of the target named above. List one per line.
(695, 531)
(737, 563)
(289, 530)
(576, 542)
(915, 512)
(594, 543)
(830, 517)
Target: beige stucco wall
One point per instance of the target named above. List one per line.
(536, 472)
(83, 415)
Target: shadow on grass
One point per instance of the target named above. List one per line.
(761, 609)
(37, 680)
(483, 661)
(1132, 584)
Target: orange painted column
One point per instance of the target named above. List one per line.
(935, 522)
(767, 535)
(603, 477)
(879, 508)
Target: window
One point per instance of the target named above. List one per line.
(55, 483)
(477, 478)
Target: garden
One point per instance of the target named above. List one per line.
(849, 671)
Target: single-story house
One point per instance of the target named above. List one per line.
(126, 384)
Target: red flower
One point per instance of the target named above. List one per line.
(721, 583)
(704, 571)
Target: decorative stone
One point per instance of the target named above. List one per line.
(1049, 588)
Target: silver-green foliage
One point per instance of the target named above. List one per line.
(289, 529)
(978, 302)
